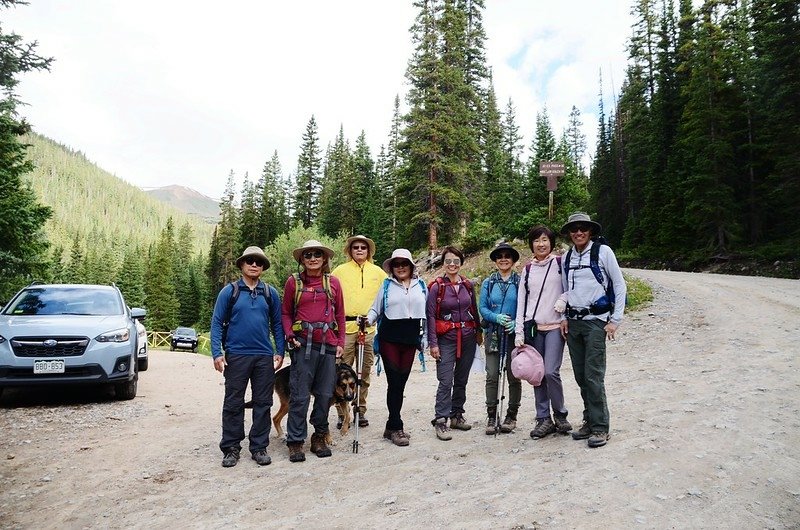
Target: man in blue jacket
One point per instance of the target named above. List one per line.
(244, 314)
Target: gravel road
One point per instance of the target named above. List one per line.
(704, 394)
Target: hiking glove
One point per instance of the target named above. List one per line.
(503, 320)
(518, 341)
(560, 306)
(510, 325)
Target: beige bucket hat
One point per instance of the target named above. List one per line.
(399, 253)
(370, 243)
(311, 244)
(253, 251)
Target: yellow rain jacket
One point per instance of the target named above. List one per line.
(360, 285)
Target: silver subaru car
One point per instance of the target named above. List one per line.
(68, 333)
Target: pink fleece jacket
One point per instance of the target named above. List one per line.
(547, 318)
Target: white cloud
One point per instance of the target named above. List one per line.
(185, 91)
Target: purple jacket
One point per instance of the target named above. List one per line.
(457, 307)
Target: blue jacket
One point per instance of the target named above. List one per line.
(503, 298)
(250, 324)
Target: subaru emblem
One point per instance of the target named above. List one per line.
(50, 343)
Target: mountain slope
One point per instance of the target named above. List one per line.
(187, 200)
(92, 204)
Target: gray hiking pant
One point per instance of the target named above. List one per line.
(551, 392)
(259, 372)
(453, 375)
(316, 376)
(493, 375)
(587, 349)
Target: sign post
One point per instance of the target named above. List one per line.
(551, 169)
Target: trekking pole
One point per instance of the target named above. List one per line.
(360, 341)
(501, 390)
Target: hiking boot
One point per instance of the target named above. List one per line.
(296, 453)
(543, 428)
(508, 425)
(262, 458)
(399, 438)
(562, 425)
(230, 458)
(583, 433)
(318, 445)
(363, 421)
(459, 423)
(598, 439)
(442, 431)
(491, 425)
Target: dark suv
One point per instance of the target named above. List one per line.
(185, 339)
(69, 333)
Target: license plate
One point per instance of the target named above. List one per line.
(184, 344)
(49, 366)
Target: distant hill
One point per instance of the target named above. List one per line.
(187, 200)
(96, 206)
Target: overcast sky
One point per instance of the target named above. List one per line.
(184, 91)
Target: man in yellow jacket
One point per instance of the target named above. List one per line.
(360, 279)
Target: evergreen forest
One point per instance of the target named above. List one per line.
(696, 162)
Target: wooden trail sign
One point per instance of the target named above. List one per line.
(551, 169)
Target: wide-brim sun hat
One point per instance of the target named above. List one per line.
(253, 251)
(311, 244)
(581, 217)
(370, 243)
(501, 247)
(399, 253)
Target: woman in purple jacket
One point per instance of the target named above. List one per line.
(453, 331)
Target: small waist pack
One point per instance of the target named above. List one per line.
(527, 364)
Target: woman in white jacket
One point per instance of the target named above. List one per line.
(540, 306)
(399, 307)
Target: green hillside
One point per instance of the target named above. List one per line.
(91, 204)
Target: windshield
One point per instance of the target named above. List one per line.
(66, 301)
(185, 331)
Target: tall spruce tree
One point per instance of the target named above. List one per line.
(308, 178)
(273, 214)
(160, 296)
(23, 245)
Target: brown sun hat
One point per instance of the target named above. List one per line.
(580, 217)
(311, 244)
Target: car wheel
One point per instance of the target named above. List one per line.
(171, 347)
(194, 350)
(126, 390)
(143, 365)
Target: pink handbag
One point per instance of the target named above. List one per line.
(527, 364)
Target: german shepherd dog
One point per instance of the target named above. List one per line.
(344, 393)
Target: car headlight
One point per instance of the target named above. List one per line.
(118, 335)
(2, 339)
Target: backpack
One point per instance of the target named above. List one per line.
(440, 292)
(326, 285)
(226, 320)
(594, 263)
(495, 278)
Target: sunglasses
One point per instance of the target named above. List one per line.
(452, 261)
(254, 261)
(359, 247)
(312, 254)
(400, 264)
(504, 255)
(579, 228)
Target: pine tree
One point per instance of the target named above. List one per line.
(130, 278)
(160, 296)
(308, 177)
(23, 245)
(273, 215)
(576, 140)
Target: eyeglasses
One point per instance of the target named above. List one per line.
(359, 247)
(254, 261)
(452, 261)
(312, 254)
(504, 255)
(400, 264)
(579, 228)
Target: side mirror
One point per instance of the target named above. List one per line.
(138, 313)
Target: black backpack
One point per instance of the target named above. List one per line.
(601, 306)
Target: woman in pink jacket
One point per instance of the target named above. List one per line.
(540, 307)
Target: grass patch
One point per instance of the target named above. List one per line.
(639, 293)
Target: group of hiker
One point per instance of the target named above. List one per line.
(333, 316)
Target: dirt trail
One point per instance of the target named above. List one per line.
(704, 394)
